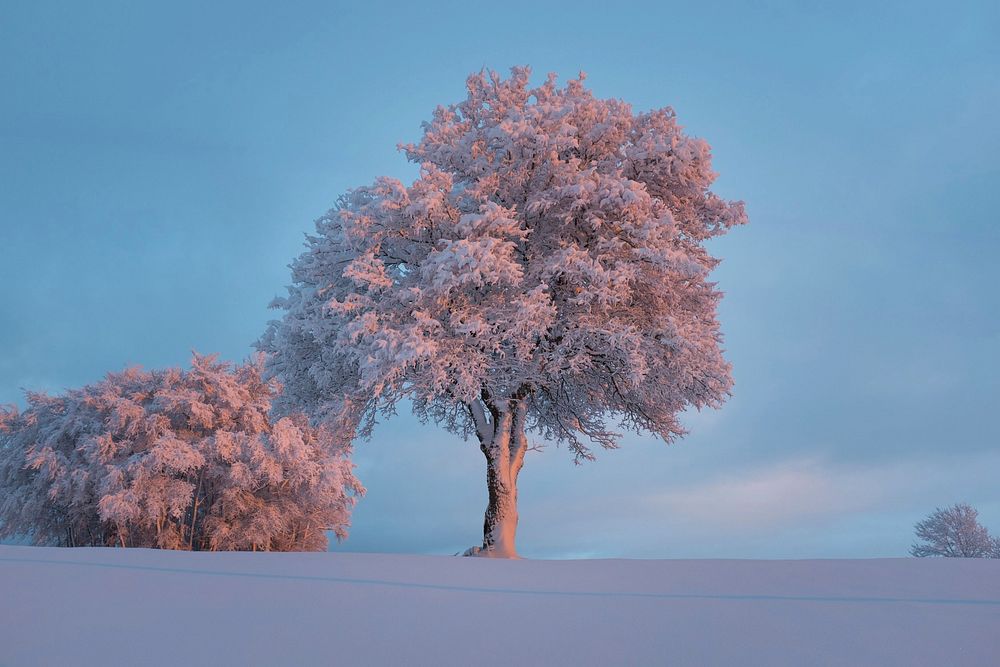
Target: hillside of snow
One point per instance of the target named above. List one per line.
(129, 607)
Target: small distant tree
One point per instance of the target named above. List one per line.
(954, 532)
(546, 272)
(172, 459)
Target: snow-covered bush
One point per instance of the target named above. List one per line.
(174, 459)
(955, 532)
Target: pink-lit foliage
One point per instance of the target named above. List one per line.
(172, 459)
(545, 272)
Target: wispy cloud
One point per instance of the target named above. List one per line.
(770, 497)
(794, 491)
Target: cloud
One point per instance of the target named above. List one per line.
(797, 491)
(769, 498)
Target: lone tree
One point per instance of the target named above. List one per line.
(545, 272)
(955, 532)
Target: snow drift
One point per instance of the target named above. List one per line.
(92, 606)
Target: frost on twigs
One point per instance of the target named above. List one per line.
(548, 263)
(173, 459)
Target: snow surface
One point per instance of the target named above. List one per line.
(93, 606)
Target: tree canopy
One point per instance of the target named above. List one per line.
(552, 247)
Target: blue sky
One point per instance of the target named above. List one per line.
(160, 163)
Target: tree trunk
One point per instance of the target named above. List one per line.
(194, 513)
(504, 453)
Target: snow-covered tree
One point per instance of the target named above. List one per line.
(172, 459)
(954, 532)
(546, 272)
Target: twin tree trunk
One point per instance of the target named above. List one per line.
(503, 443)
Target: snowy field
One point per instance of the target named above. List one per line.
(143, 607)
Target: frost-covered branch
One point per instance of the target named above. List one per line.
(484, 428)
